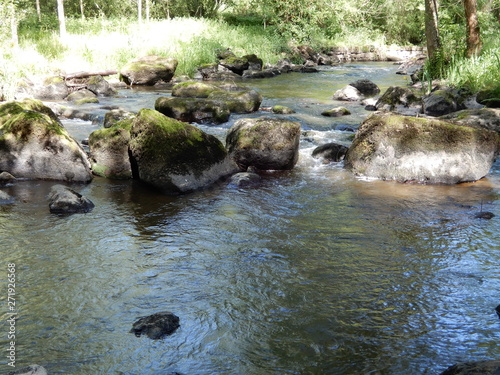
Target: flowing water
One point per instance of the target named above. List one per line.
(313, 272)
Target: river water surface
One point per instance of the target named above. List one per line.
(312, 272)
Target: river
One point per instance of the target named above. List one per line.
(314, 271)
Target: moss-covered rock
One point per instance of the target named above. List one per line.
(490, 97)
(99, 86)
(197, 110)
(194, 89)
(282, 110)
(82, 97)
(148, 70)
(109, 154)
(408, 149)
(442, 102)
(34, 145)
(240, 101)
(175, 157)
(487, 118)
(264, 143)
(235, 64)
(116, 115)
(336, 112)
(401, 100)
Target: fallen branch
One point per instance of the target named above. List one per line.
(90, 74)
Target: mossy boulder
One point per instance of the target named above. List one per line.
(264, 143)
(148, 70)
(216, 72)
(175, 157)
(401, 100)
(366, 87)
(490, 97)
(238, 101)
(408, 149)
(109, 148)
(487, 118)
(194, 89)
(235, 64)
(336, 112)
(442, 102)
(99, 86)
(116, 115)
(282, 110)
(34, 145)
(82, 96)
(197, 110)
(53, 88)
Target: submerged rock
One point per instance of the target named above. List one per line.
(244, 179)
(336, 112)
(264, 143)
(148, 70)
(282, 110)
(30, 370)
(175, 157)
(156, 326)
(407, 149)
(491, 367)
(63, 200)
(33, 144)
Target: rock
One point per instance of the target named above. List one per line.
(490, 97)
(197, 110)
(175, 157)
(109, 151)
(193, 89)
(6, 177)
(399, 99)
(407, 149)
(264, 143)
(5, 198)
(81, 94)
(442, 102)
(34, 145)
(99, 86)
(30, 370)
(238, 102)
(336, 112)
(266, 73)
(53, 88)
(348, 93)
(156, 326)
(63, 200)
(497, 309)
(366, 87)
(330, 152)
(491, 367)
(255, 63)
(148, 70)
(235, 64)
(244, 179)
(345, 128)
(484, 215)
(487, 118)
(282, 110)
(116, 115)
(217, 72)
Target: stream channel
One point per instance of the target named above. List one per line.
(314, 271)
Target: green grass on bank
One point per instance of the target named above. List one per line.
(104, 44)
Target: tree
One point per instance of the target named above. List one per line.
(62, 19)
(432, 29)
(474, 43)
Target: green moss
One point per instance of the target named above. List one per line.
(86, 101)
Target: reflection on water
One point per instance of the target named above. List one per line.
(313, 272)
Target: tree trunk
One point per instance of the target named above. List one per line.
(81, 9)
(62, 19)
(38, 11)
(148, 11)
(431, 28)
(474, 43)
(139, 11)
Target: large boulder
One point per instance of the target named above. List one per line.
(109, 154)
(193, 89)
(264, 143)
(53, 88)
(33, 144)
(488, 367)
(63, 200)
(408, 149)
(487, 118)
(442, 102)
(240, 101)
(348, 93)
(216, 72)
(197, 110)
(82, 96)
(99, 86)
(366, 87)
(175, 157)
(148, 70)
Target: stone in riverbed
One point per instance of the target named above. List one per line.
(30, 370)
(148, 70)
(491, 367)
(156, 326)
(34, 145)
(63, 200)
(408, 149)
(197, 110)
(240, 101)
(336, 112)
(330, 152)
(175, 157)
(264, 143)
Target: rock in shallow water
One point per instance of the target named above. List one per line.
(474, 368)
(156, 326)
(63, 200)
